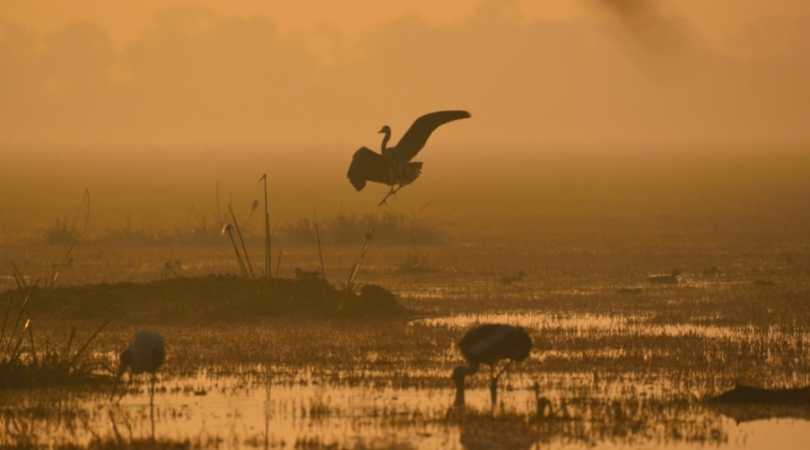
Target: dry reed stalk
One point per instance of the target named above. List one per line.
(70, 341)
(356, 268)
(318, 238)
(21, 312)
(67, 258)
(219, 208)
(18, 277)
(267, 243)
(33, 348)
(87, 344)
(5, 321)
(65, 261)
(241, 240)
(16, 352)
(228, 229)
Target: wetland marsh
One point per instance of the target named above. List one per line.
(618, 362)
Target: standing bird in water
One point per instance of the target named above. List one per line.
(393, 166)
(489, 344)
(145, 353)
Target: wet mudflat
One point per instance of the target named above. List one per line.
(588, 393)
(618, 363)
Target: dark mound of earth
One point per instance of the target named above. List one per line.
(213, 297)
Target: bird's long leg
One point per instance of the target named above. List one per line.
(385, 199)
(393, 191)
(493, 382)
(387, 194)
(152, 403)
(493, 386)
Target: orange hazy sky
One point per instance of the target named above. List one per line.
(211, 87)
(251, 71)
(127, 19)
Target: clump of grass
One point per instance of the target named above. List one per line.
(23, 366)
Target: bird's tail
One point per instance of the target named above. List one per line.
(412, 172)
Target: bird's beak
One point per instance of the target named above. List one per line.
(382, 130)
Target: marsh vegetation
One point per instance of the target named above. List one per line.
(617, 359)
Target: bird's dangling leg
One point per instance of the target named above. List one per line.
(385, 199)
(391, 192)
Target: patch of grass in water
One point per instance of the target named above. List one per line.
(17, 374)
(132, 444)
(23, 366)
(214, 298)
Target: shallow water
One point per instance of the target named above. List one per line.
(635, 325)
(248, 412)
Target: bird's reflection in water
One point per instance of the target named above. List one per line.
(480, 431)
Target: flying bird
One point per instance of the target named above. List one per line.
(393, 166)
(490, 344)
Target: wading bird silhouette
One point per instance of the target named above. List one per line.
(489, 344)
(145, 353)
(393, 166)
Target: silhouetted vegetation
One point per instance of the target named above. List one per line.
(46, 370)
(388, 228)
(213, 297)
(754, 394)
(25, 365)
(62, 232)
(198, 233)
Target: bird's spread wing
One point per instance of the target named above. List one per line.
(418, 134)
(367, 165)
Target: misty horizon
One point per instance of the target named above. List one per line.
(195, 76)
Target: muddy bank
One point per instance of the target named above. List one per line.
(211, 297)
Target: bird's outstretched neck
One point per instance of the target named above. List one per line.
(386, 137)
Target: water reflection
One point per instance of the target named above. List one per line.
(248, 412)
(632, 325)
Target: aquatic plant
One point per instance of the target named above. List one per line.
(23, 365)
